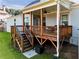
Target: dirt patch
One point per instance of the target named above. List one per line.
(68, 51)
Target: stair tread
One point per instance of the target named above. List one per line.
(26, 43)
(28, 48)
(25, 40)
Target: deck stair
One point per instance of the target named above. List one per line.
(26, 42)
(29, 35)
(21, 41)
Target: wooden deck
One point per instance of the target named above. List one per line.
(49, 33)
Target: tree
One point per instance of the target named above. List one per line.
(13, 11)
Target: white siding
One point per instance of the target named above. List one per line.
(74, 20)
(51, 20)
(10, 22)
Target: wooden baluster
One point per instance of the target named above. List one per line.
(21, 45)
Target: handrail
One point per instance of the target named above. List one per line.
(30, 37)
(20, 38)
(17, 30)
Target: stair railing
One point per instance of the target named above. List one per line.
(28, 34)
(19, 38)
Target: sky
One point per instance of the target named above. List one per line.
(17, 4)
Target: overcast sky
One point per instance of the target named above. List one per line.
(19, 3)
(77, 1)
(15, 3)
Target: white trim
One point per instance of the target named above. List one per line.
(75, 5)
(58, 19)
(66, 11)
(35, 4)
(68, 17)
(41, 7)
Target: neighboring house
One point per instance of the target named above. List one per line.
(1, 26)
(10, 21)
(3, 16)
(3, 13)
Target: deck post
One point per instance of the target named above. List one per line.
(58, 19)
(23, 22)
(14, 33)
(31, 19)
(41, 13)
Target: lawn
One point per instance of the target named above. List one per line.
(8, 52)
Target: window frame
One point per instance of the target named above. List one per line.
(67, 18)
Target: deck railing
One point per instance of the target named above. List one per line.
(65, 31)
(45, 29)
(15, 33)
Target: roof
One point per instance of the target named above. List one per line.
(36, 6)
(75, 5)
(14, 16)
(34, 2)
(39, 5)
(3, 12)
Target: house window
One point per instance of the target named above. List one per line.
(26, 21)
(65, 19)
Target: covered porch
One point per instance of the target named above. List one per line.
(42, 21)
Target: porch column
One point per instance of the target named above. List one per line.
(41, 13)
(23, 22)
(58, 19)
(31, 20)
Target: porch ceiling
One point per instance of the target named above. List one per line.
(39, 6)
(54, 8)
(50, 5)
(50, 10)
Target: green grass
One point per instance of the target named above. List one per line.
(8, 52)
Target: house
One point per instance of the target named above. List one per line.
(47, 19)
(3, 13)
(10, 21)
(74, 22)
(69, 16)
(1, 26)
(3, 16)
